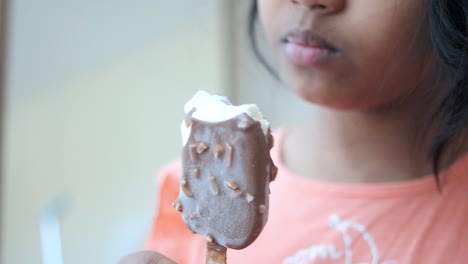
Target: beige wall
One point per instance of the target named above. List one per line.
(94, 99)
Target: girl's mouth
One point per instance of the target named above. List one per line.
(305, 48)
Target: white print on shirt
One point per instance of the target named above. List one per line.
(330, 251)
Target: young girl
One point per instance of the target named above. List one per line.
(379, 174)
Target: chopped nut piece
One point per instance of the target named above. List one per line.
(249, 197)
(274, 172)
(218, 151)
(228, 156)
(261, 209)
(196, 172)
(192, 154)
(201, 147)
(177, 205)
(186, 190)
(231, 185)
(214, 185)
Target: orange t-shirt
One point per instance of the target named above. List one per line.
(318, 222)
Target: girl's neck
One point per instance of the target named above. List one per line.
(376, 146)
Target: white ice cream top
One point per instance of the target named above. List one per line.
(215, 108)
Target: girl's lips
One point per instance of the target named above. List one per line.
(305, 48)
(306, 55)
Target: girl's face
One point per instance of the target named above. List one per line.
(349, 54)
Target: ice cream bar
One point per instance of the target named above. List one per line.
(226, 171)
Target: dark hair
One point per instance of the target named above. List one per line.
(448, 26)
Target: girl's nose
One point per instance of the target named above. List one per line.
(324, 6)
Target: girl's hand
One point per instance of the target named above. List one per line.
(146, 257)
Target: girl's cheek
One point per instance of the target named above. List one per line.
(270, 15)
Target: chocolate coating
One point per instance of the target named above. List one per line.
(226, 199)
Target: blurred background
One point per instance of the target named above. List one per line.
(92, 99)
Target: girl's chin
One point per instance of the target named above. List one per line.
(327, 100)
(316, 95)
